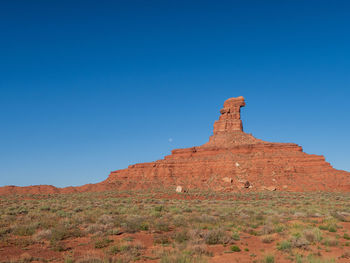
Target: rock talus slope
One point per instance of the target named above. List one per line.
(232, 160)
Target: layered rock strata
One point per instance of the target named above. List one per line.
(232, 160)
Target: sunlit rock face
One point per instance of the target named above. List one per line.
(231, 160)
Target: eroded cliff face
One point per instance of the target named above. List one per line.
(232, 160)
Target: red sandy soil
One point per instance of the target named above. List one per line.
(83, 247)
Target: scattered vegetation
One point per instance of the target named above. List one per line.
(130, 226)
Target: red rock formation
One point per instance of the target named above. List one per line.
(230, 119)
(231, 161)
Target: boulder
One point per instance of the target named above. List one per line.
(270, 188)
(179, 189)
(227, 180)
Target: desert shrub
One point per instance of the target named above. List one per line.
(45, 208)
(68, 259)
(268, 229)
(134, 224)
(269, 259)
(331, 242)
(78, 209)
(62, 232)
(187, 210)
(313, 235)
(267, 239)
(26, 257)
(284, 245)
(42, 234)
(180, 221)
(105, 219)
(235, 236)
(299, 242)
(196, 235)
(314, 259)
(346, 254)
(199, 249)
(339, 216)
(159, 208)
(279, 228)
(162, 239)
(251, 231)
(346, 236)
(162, 225)
(90, 259)
(332, 228)
(178, 257)
(98, 228)
(47, 222)
(58, 246)
(216, 236)
(235, 248)
(21, 211)
(24, 230)
(103, 242)
(131, 251)
(114, 250)
(208, 219)
(4, 231)
(323, 227)
(181, 236)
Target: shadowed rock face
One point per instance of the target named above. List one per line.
(232, 160)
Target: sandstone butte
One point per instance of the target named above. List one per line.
(232, 160)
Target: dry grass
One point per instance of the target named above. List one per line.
(185, 230)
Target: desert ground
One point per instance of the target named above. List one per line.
(164, 226)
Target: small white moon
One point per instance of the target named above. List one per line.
(170, 139)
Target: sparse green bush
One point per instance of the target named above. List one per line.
(267, 239)
(235, 236)
(180, 257)
(331, 242)
(216, 236)
(61, 232)
(181, 236)
(114, 250)
(269, 259)
(162, 239)
(162, 225)
(313, 235)
(103, 242)
(284, 245)
(235, 248)
(134, 224)
(24, 230)
(346, 236)
(314, 259)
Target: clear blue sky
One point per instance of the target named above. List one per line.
(88, 87)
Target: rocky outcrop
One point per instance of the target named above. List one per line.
(234, 154)
(232, 160)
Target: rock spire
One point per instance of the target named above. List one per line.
(230, 119)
